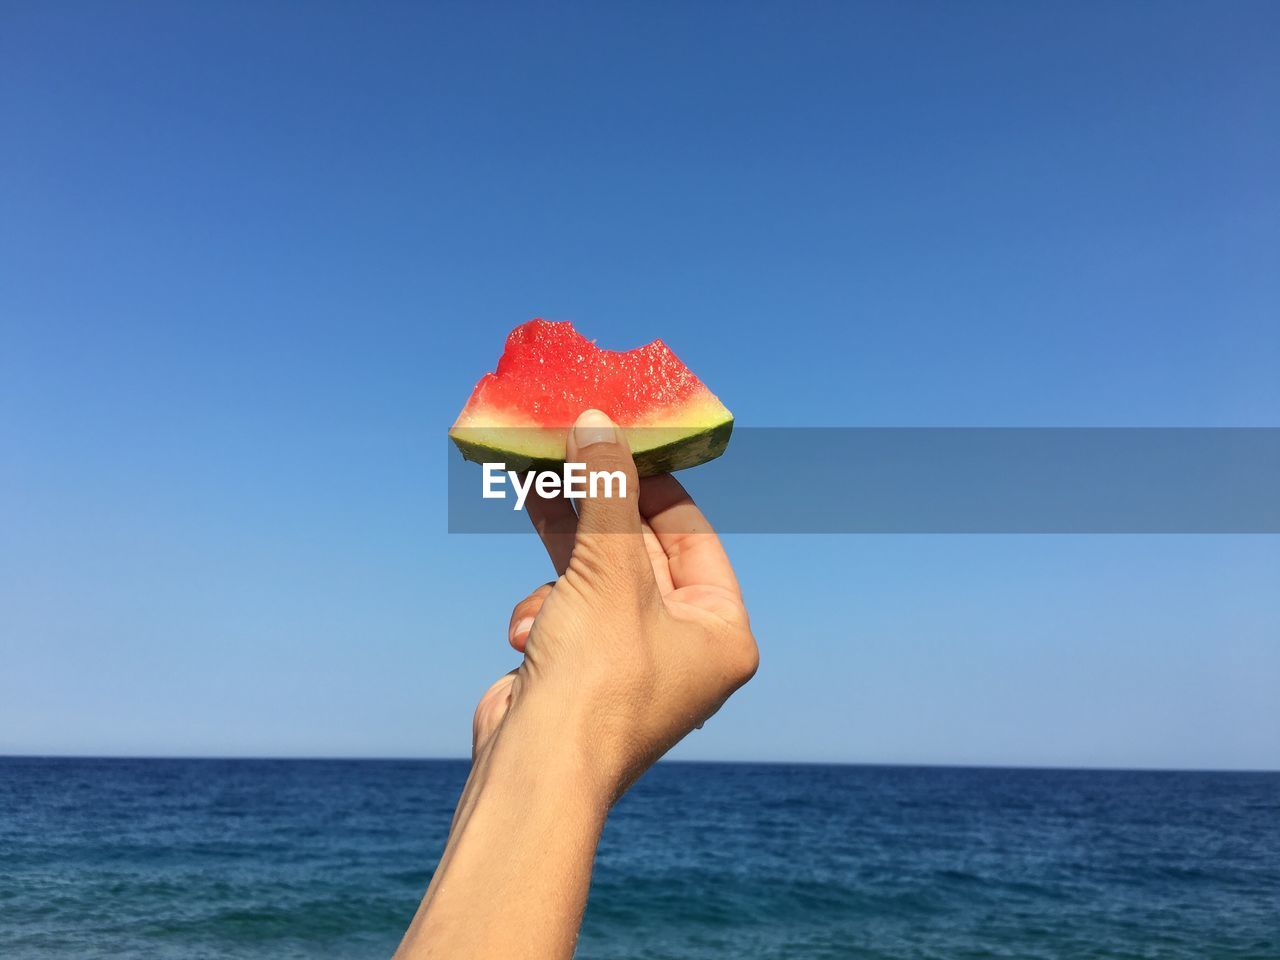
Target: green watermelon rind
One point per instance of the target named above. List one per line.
(690, 451)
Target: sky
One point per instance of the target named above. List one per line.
(254, 255)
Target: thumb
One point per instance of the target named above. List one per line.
(612, 487)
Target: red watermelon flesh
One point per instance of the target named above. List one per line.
(549, 373)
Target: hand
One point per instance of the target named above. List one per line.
(643, 636)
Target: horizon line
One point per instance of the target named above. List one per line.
(316, 758)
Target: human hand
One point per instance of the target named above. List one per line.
(643, 636)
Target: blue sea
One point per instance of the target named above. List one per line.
(305, 858)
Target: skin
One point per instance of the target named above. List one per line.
(641, 638)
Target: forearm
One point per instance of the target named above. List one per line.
(513, 880)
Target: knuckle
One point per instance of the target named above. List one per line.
(611, 554)
(614, 460)
(530, 605)
(742, 658)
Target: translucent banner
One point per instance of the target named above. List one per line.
(950, 480)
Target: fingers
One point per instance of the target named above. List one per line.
(557, 525)
(609, 544)
(693, 550)
(490, 711)
(657, 561)
(609, 472)
(522, 617)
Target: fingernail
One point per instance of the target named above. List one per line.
(593, 427)
(523, 625)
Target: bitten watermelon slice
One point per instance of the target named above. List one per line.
(549, 373)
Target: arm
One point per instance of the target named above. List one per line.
(513, 879)
(641, 638)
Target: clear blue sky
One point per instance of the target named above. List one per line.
(253, 256)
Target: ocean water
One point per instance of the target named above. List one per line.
(293, 859)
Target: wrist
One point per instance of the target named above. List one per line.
(547, 748)
(524, 835)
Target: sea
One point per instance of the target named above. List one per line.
(328, 858)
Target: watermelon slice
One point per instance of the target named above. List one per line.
(549, 373)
